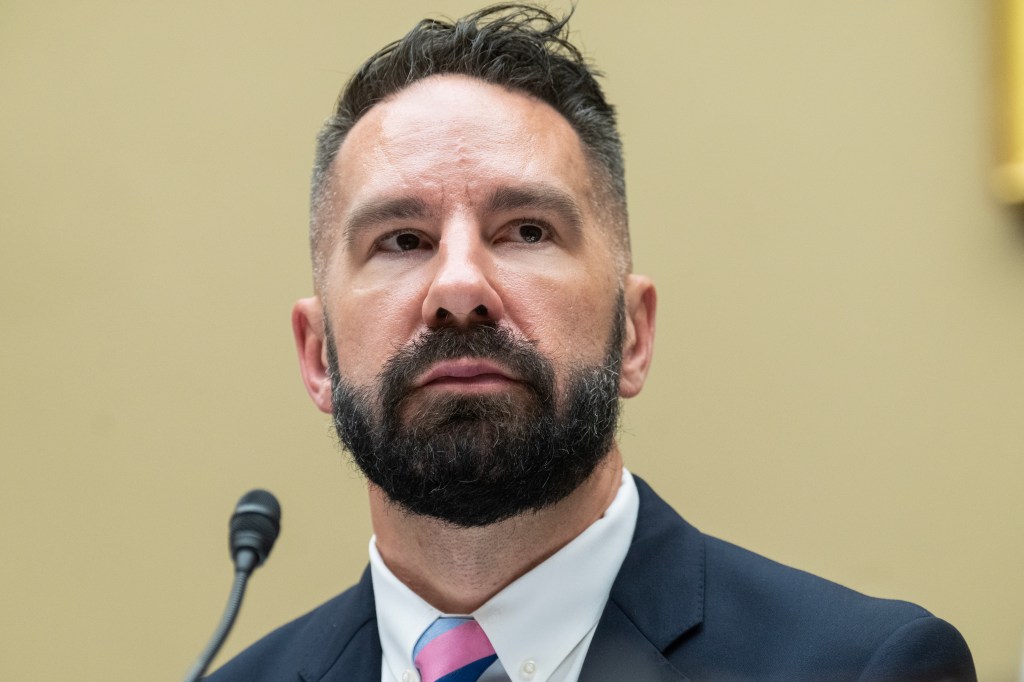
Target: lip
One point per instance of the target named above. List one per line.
(465, 371)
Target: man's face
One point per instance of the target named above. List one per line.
(457, 194)
(467, 269)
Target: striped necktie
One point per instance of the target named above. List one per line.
(453, 650)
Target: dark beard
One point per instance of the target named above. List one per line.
(475, 460)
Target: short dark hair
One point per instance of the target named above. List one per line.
(520, 47)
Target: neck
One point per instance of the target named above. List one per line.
(456, 570)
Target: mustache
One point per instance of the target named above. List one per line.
(488, 341)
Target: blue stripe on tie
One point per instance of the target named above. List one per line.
(436, 629)
(471, 672)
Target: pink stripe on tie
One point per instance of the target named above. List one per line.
(452, 650)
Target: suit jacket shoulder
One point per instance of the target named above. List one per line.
(715, 611)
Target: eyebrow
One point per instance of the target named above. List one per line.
(536, 196)
(377, 211)
(539, 197)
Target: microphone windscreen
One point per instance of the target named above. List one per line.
(255, 524)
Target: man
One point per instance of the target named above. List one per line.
(475, 322)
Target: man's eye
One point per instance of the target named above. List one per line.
(529, 233)
(403, 241)
(407, 242)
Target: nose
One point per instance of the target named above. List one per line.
(462, 290)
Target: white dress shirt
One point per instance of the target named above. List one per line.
(541, 624)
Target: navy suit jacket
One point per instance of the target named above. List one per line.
(685, 606)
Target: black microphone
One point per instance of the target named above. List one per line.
(253, 529)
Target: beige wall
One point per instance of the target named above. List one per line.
(839, 375)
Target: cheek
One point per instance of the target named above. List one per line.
(569, 317)
(369, 325)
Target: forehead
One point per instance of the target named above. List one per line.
(452, 140)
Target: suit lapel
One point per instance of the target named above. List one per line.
(343, 644)
(359, 661)
(620, 651)
(657, 598)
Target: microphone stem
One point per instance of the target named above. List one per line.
(226, 621)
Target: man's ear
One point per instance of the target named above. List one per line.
(311, 344)
(638, 347)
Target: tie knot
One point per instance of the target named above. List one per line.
(453, 650)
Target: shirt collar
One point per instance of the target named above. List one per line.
(542, 616)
